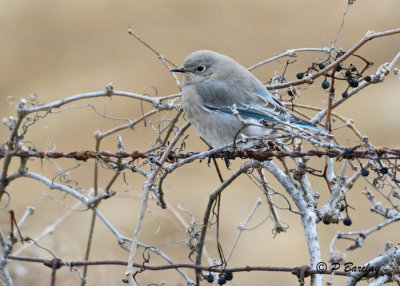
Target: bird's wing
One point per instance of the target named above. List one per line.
(255, 102)
(265, 95)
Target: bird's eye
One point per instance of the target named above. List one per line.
(201, 68)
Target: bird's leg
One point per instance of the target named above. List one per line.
(225, 156)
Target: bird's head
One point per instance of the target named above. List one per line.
(202, 65)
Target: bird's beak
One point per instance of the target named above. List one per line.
(182, 70)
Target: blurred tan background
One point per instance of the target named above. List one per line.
(57, 49)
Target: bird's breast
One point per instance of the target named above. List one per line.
(217, 128)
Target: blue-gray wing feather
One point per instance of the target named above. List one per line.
(222, 95)
(253, 101)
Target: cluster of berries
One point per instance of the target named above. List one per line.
(228, 276)
(352, 76)
(353, 79)
(346, 221)
(365, 173)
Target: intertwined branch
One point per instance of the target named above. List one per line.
(286, 155)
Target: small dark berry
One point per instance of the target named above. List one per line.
(326, 221)
(221, 280)
(342, 207)
(384, 170)
(353, 82)
(346, 151)
(345, 94)
(353, 69)
(347, 221)
(350, 81)
(210, 278)
(339, 68)
(347, 74)
(321, 66)
(290, 93)
(367, 78)
(228, 276)
(325, 84)
(364, 173)
(300, 75)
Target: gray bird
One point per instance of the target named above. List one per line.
(220, 97)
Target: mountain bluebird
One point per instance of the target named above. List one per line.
(221, 98)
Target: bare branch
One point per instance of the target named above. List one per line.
(310, 79)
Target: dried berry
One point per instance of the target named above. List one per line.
(221, 280)
(300, 75)
(384, 170)
(364, 173)
(326, 221)
(347, 221)
(325, 84)
(228, 276)
(353, 82)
